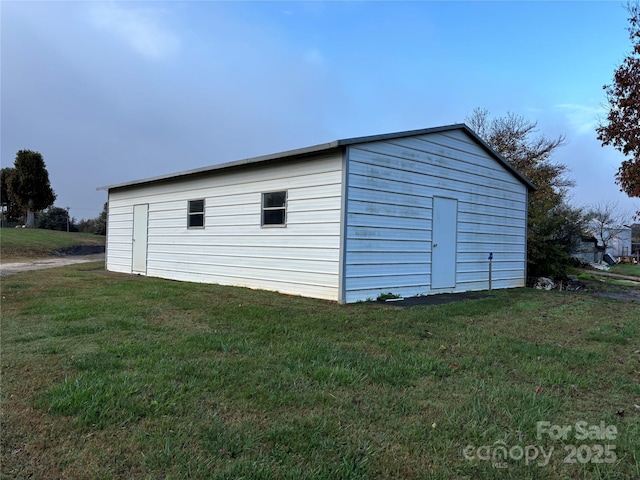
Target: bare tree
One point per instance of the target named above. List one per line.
(519, 142)
(606, 223)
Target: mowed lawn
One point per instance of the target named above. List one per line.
(20, 244)
(116, 376)
(626, 269)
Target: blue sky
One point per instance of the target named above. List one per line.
(115, 91)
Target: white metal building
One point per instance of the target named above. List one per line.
(410, 213)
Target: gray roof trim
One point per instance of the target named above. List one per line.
(306, 151)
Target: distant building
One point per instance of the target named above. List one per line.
(588, 251)
(620, 245)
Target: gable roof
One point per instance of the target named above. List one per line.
(322, 147)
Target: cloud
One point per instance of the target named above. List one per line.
(141, 29)
(584, 118)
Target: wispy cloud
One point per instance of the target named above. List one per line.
(584, 118)
(140, 28)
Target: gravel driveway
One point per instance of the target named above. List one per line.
(52, 262)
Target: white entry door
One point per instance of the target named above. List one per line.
(443, 251)
(140, 219)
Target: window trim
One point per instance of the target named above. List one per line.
(191, 214)
(284, 208)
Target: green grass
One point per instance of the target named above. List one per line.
(18, 243)
(115, 376)
(626, 269)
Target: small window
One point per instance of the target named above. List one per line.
(195, 215)
(274, 208)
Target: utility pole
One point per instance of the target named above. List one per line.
(68, 219)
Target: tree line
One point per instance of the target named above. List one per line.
(56, 218)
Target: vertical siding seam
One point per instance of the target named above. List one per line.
(526, 235)
(342, 250)
(106, 232)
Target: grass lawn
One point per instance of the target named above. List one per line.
(20, 243)
(626, 269)
(118, 376)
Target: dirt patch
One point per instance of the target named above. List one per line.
(593, 287)
(80, 250)
(613, 290)
(436, 299)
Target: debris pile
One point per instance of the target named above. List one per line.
(571, 284)
(575, 285)
(545, 283)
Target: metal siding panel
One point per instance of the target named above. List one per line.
(344, 193)
(482, 256)
(388, 209)
(387, 221)
(390, 189)
(473, 247)
(323, 291)
(387, 233)
(490, 238)
(274, 240)
(302, 271)
(472, 194)
(367, 257)
(426, 172)
(385, 247)
(368, 195)
(387, 269)
(301, 258)
(483, 228)
(231, 254)
(118, 242)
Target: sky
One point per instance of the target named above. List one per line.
(110, 92)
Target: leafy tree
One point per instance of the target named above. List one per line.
(549, 217)
(5, 173)
(560, 234)
(55, 218)
(29, 184)
(622, 127)
(101, 221)
(10, 209)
